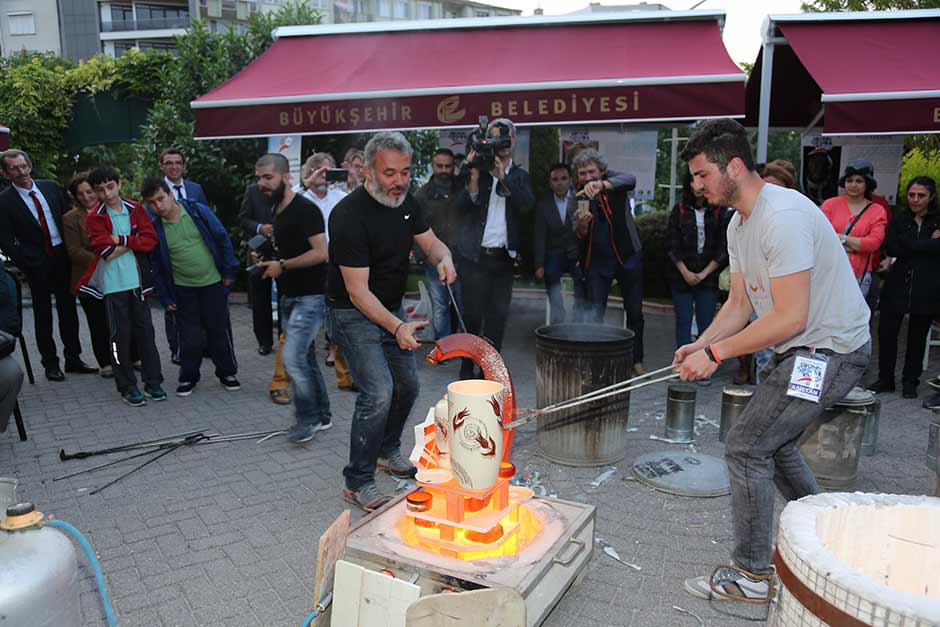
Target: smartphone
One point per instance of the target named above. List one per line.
(584, 207)
(337, 175)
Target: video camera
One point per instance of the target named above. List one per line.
(264, 248)
(486, 147)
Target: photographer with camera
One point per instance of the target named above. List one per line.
(497, 193)
(300, 239)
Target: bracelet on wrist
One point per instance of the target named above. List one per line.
(398, 328)
(710, 352)
(283, 265)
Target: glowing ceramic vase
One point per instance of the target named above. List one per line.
(475, 440)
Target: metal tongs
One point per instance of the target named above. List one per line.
(612, 390)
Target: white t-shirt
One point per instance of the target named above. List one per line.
(326, 204)
(785, 234)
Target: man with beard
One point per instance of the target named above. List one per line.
(300, 238)
(788, 266)
(372, 231)
(438, 201)
(488, 240)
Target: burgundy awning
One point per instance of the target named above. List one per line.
(637, 67)
(877, 73)
(4, 137)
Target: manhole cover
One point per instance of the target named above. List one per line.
(685, 474)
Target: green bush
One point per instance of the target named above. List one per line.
(652, 230)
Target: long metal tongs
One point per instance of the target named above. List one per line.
(612, 390)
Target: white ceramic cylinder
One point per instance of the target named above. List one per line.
(476, 434)
(874, 557)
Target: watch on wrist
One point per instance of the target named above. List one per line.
(282, 264)
(711, 354)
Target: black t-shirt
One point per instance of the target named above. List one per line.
(367, 234)
(299, 220)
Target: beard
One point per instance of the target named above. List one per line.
(729, 193)
(277, 194)
(443, 179)
(381, 195)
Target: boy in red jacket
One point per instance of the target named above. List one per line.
(121, 235)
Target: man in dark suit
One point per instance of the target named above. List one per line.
(31, 235)
(489, 236)
(173, 166)
(555, 249)
(257, 218)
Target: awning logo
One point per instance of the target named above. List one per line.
(448, 111)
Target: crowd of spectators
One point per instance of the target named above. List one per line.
(312, 238)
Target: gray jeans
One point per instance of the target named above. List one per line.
(762, 450)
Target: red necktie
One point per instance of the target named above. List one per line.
(47, 237)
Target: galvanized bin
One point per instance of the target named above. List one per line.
(680, 413)
(733, 402)
(832, 446)
(571, 360)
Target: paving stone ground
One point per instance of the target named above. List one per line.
(226, 534)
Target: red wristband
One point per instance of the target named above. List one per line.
(710, 351)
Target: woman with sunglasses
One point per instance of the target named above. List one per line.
(912, 286)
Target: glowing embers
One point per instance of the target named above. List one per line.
(453, 522)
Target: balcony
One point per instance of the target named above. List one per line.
(168, 23)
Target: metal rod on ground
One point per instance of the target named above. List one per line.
(106, 464)
(453, 301)
(63, 456)
(581, 400)
(190, 440)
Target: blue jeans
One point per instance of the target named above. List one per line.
(557, 265)
(388, 379)
(696, 298)
(763, 450)
(630, 280)
(440, 302)
(304, 316)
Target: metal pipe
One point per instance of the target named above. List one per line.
(63, 456)
(763, 115)
(190, 440)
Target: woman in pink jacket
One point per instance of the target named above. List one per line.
(859, 222)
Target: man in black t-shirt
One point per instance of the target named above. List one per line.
(371, 234)
(300, 271)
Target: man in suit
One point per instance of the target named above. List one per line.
(488, 239)
(555, 249)
(173, 166)
(31, 233)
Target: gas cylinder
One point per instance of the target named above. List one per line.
(38, 572)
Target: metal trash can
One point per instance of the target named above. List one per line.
(870, 434)
(733, 402)
(833, 443)
(680, 413)
(933, 452)
(571, 360)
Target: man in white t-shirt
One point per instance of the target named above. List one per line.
(787, 265)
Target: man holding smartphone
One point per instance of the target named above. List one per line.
(299, 234)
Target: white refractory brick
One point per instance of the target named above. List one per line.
(875, 557)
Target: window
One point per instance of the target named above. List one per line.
(401, 9)
(384, 7)
(120, 47)
(162, 46)
(157, 16)
(21, 23)
(424, 10)
(482, 13)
